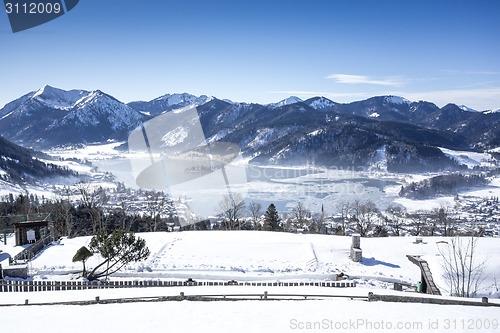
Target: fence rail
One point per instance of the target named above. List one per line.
(31, 251)
(34, 286)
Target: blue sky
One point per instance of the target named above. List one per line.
(263, 51)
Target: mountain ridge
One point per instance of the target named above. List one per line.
(347, 133)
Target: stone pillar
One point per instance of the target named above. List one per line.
(356, 241)
(356, 253)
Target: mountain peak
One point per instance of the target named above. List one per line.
(396, 100)
(47, 91)
(492, 111)
(466, 108)
(320, 103)
(58, 98)
(286, 101)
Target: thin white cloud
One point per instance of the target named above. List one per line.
(300, 93)
(453, 71)
(362, 79)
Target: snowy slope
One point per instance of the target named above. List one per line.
(253, 256)
(58, 98)
(492, 111)
(169, 102)
(97, 107)
(256, 256)
(335, 315)
(396, 100)
(50, 117)
(471, 159)
(320, 103)
(466, 108)
(286, 101)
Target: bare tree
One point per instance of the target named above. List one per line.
(156, 204)
(394, 218)
(418, 220)
(92, 198)
(442, 218)
(62, 217)
(300, 213)
(255, 209)
(463, 272)
(343, 209)
(364, 215)
(231, 208)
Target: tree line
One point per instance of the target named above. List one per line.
(88, 212)
(442, 185)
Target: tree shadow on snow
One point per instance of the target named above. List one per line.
(374, 262)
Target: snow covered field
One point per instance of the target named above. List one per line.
(255, 256)
(338, 315)
(272, 256)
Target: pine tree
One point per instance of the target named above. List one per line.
(272, 219)
(117, 248)
(82, 255)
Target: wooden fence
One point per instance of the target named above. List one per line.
(32, 286)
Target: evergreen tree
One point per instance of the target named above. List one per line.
(117, 248)
(82, 255)
(272, 221)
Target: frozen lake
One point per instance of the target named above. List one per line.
(283, 186)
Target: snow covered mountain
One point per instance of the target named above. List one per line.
(52, 116)
(291, 131)
(492, 111)
(320, 103)
(18, 164)
(286, 101)
(466, 108)
(169, 102)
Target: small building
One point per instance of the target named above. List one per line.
(31, 231)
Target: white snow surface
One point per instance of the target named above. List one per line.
(471, 159)
(89, 109)
(396, 100)
(286, 101)
(466, 108)
(321, 103)
(272, 256)
(492, 111)
(175, 137)
(242, 316)
(251, 255)
(58, 98)
(184, 99)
